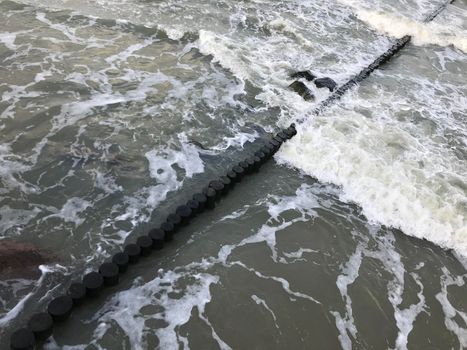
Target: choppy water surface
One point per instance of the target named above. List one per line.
(114, 111)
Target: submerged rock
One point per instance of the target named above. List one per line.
(301, 89)
(258, 128)
(306, 74)
(197, 144)
(326, 82)
(19, 259)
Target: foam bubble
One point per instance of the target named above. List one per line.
(71, 210)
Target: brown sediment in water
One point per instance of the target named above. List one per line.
(22, 259)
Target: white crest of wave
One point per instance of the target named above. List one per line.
(442, 34)
(173, 32)
(396, 180)
(223, 52)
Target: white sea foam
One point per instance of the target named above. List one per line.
(235, 215)
(223, 51)
(391, 259)
(414, 9)
(448, 29)
(265, 60)
(397, 180)
(71, 210)
(126, 308)
(442, 34)
(238, 140)
(106, 182)
(405, 318)
(345, 323)
(161, 162)
(296, 256)
(67, 31)
(262, 302)
(451, 314)
(10, 217)
(191, 283)
(128, 52)
(282, 281)
(14, 312)
(303, 201)
(17, 93)
(174, 32)
(8, 39)
(282, 25)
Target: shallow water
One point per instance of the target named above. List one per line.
(355, 236)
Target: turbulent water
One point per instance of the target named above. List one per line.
(113, 112)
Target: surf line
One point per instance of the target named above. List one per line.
(378, 62)
(40, 326)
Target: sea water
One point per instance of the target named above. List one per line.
(113, 112)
